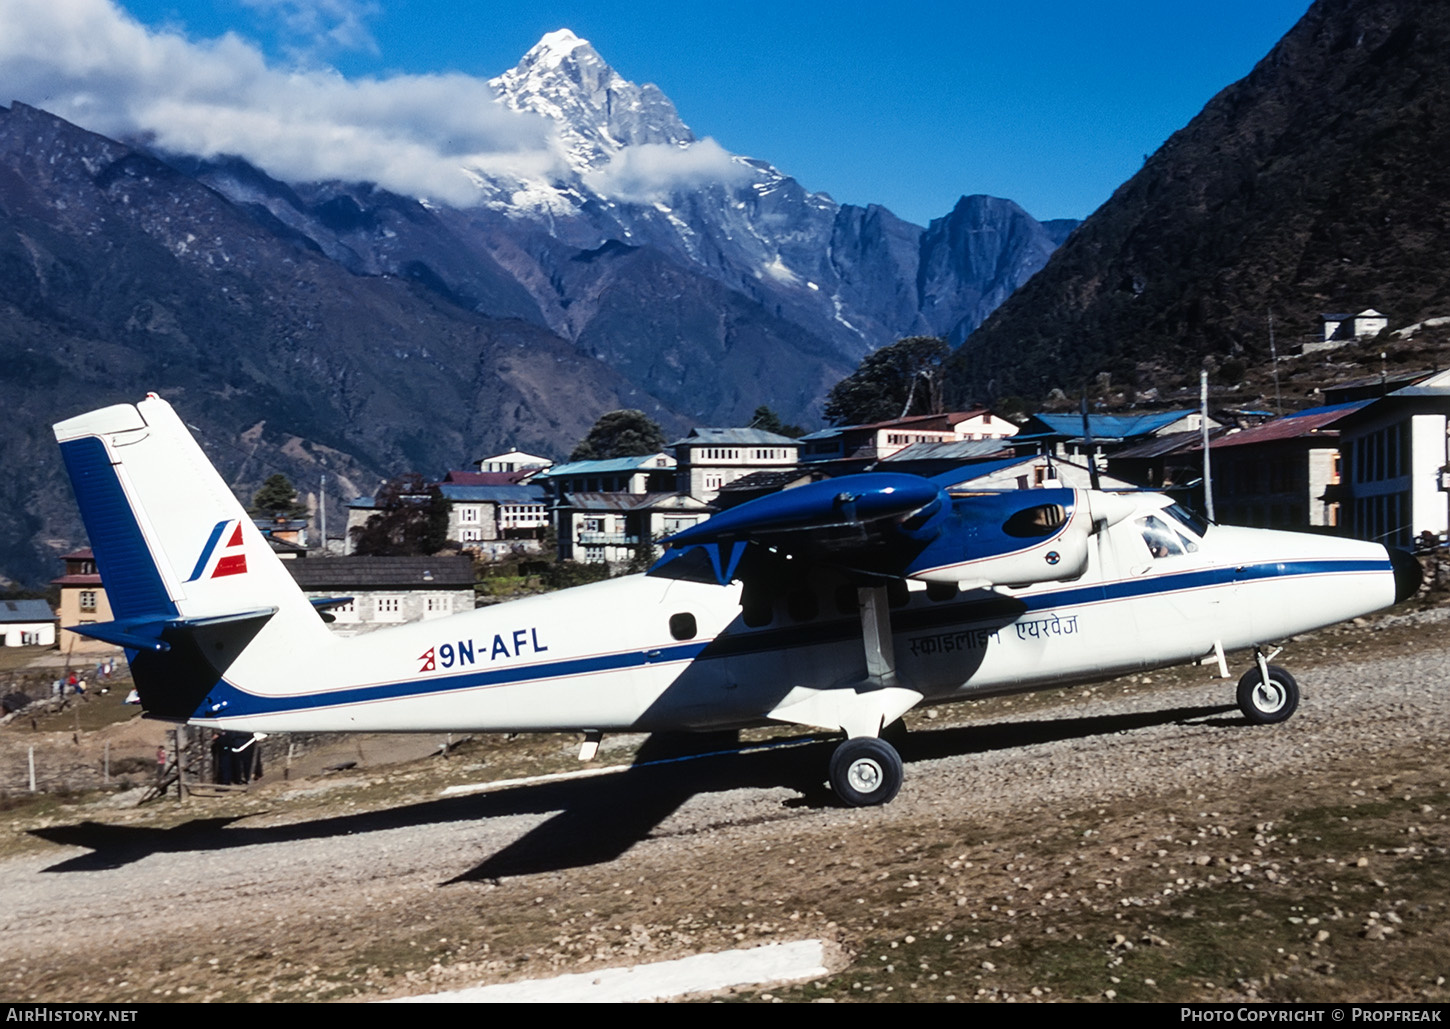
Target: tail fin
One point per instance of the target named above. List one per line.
(189, 578)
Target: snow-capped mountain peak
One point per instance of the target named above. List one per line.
(598, 111)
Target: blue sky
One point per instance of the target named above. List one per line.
(910, 105)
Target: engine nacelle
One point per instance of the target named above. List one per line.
(1014, 539)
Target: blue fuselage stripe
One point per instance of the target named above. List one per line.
(241, 703)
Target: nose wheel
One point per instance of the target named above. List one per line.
(1268, 694)
(865, 771)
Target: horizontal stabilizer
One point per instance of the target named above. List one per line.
(149, 633)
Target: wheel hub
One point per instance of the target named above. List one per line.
(1269, 696)
(864, 775)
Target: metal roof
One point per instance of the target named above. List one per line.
(734, 437)
(632, 501)
(1111, 426)
(643, 463)
(494, 494)
(1162, 445)
(465, 478)
(950, 450)
(355, 573)
(1304, 423)
(26, 611)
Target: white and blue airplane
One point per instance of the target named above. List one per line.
(839, 605)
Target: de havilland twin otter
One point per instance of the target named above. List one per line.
(839, 605)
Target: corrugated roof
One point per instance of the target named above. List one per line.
(494, 494)
(734, 437)
(981, 470)
(464, 478)
(351, 573)
(631, 501)
(951, 450)
(766, 480)
(1111, 426)
(1163, 445)
(1315, 420)
(645, 462)
(26, 611)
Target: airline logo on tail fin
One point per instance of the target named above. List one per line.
(233, 557)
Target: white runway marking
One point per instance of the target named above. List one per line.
(703, 973)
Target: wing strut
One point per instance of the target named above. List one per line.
(876, 635)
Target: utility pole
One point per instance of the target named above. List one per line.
(1203, 418)
(1274, 353)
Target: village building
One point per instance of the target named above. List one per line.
(707, 460)
(854, 447)
(1066, 436)
(619, 529)
(286, 536)
(82, 601)
(1281, 474)
(496, 520)
(649, 473)
(376, 592)
(27, 623)
(1393, 479)
(1344, 327)
(514, 461)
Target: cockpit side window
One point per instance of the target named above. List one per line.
(1161, 540)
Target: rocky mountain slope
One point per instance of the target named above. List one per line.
(306, 326)
(120, 275)
(1316, 184)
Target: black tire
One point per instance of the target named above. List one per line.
(1268, 703)
(865, 771)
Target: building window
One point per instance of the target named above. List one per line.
(88, 600)
(388, 609)
(468, 514)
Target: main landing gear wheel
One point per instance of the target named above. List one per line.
(1265, 703)
(865, 771)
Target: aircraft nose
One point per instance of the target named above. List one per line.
(1408, 574)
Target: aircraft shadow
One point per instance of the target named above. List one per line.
(595, 819)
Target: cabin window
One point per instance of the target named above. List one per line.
(801, 605)
(682, 626)
(941, 591)
(755, 608)
(1041, 520)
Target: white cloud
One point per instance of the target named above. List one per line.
(650, 171)
(91, 63)
(322, 26)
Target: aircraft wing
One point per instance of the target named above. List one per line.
(880, 526)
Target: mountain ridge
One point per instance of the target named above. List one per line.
(1311, 185)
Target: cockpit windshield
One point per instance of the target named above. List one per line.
(1162, 540)
(1195, 524)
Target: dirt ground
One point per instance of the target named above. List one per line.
(1133, 840)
